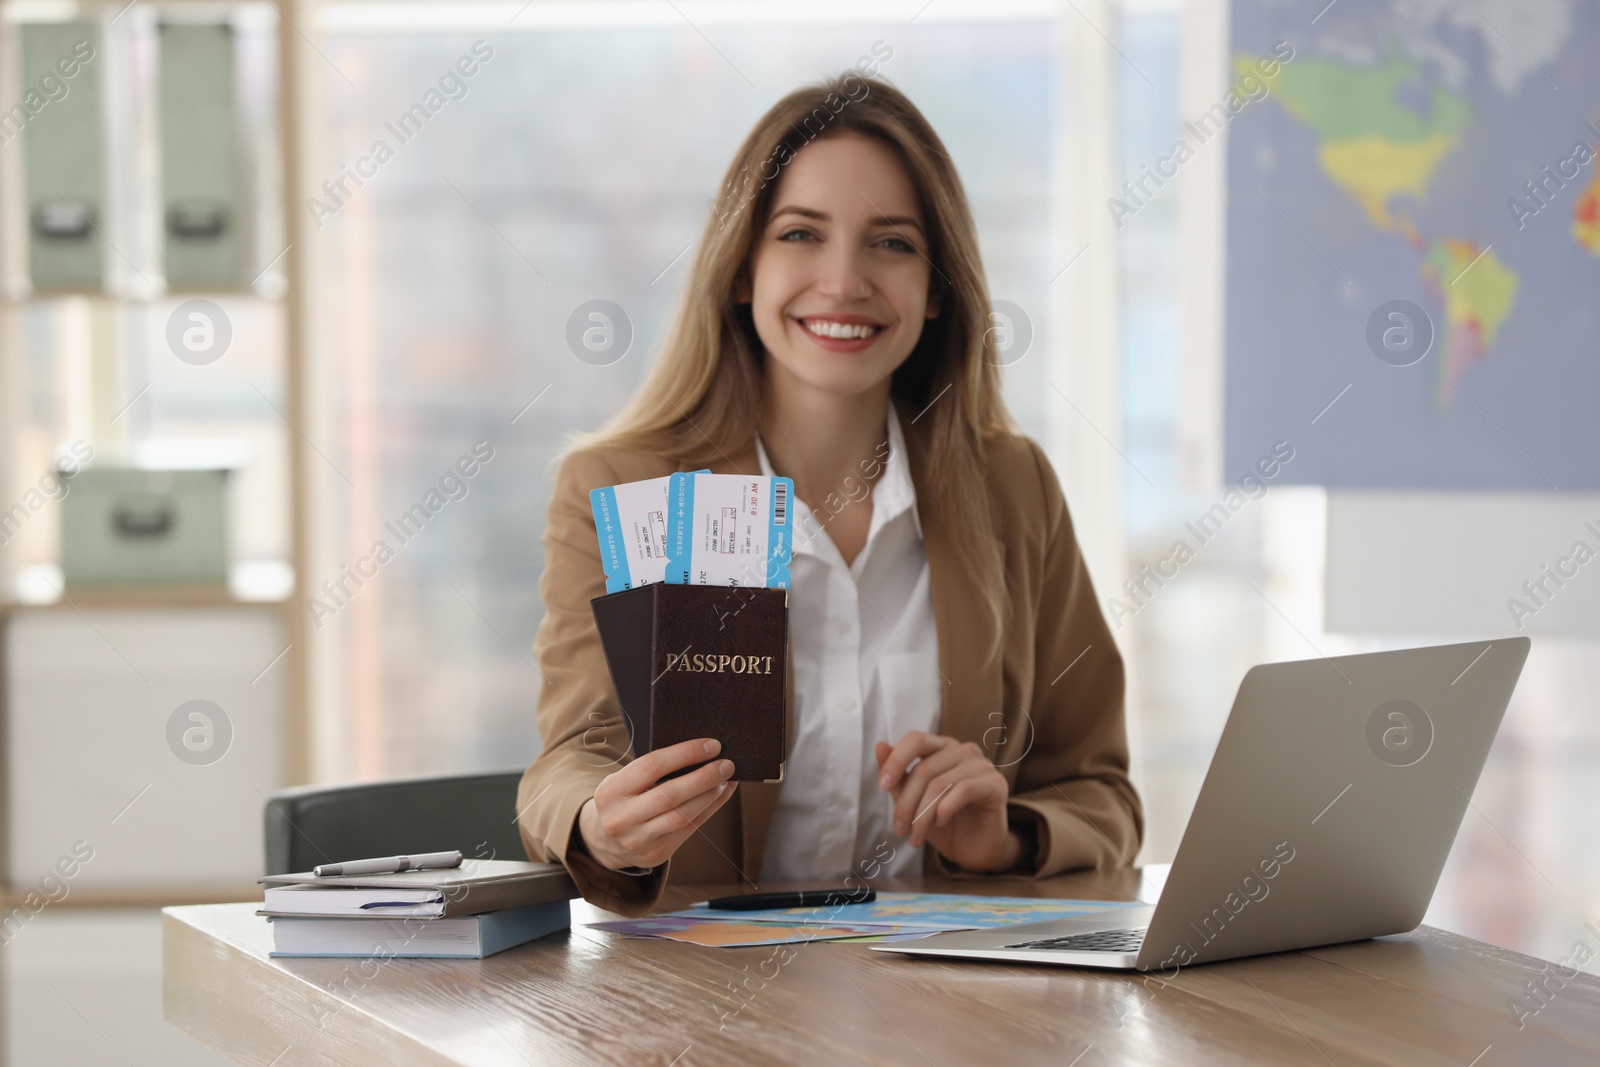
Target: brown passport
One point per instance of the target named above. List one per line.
(694, 661)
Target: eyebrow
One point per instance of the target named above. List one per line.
(823, 216)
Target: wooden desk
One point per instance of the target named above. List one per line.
(591, 997)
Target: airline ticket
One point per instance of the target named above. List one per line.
(631, 522)
(729, 529)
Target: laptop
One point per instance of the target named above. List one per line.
(1327, 814)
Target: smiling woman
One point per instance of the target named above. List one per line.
(836, 324)
(704, 396)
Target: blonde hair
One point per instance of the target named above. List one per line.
(702, 398)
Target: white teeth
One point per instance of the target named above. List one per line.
(839, 329)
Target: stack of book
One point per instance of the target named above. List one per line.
(471, 911)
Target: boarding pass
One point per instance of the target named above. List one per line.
(631, 522)
(729, 529)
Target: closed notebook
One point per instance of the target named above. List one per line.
(474, 887)
(694, 661)
(469, 937)
(353, 902)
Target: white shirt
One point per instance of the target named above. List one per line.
(866, 650)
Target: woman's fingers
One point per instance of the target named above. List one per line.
(944, 795)
(637, 819)
(975, 789)
(643, 773)
(664, 834)
(672, 828)
(938, 792)
(934, 780)
(676, 792)
(625, 817)
(914, 794)
(969, 787)
(913, 746)
(959, 796)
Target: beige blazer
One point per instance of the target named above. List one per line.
(1048, 708)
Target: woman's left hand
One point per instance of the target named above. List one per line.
(948, 793)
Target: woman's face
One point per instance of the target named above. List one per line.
(840, 275)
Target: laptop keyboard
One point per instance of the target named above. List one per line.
(1099, 941)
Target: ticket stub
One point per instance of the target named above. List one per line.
(729, 529)
(631, 522)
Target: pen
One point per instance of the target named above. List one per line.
(389, 864)
(802, 898)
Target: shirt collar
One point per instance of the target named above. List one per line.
(894, 492)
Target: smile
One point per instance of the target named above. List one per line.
(842, 331)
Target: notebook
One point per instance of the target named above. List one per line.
(475, 887)
(469, 937)
(353, 902)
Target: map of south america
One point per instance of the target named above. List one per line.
(1384, 154)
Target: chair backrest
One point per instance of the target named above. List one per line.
(475, 813)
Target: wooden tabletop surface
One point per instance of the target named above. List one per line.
(588, 996)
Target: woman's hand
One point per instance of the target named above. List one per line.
(631, 821)
(948, 793)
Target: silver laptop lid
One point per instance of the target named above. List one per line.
(1332, 801)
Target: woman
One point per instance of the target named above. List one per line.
(953, 683)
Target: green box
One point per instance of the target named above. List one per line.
(136, 526)
(205, 217)
(57, 121)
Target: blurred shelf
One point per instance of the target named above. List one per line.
(249, 582)
(139, 596)
(142, 897)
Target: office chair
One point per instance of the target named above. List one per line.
(475, 813)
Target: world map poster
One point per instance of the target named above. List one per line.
(1413, 242)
